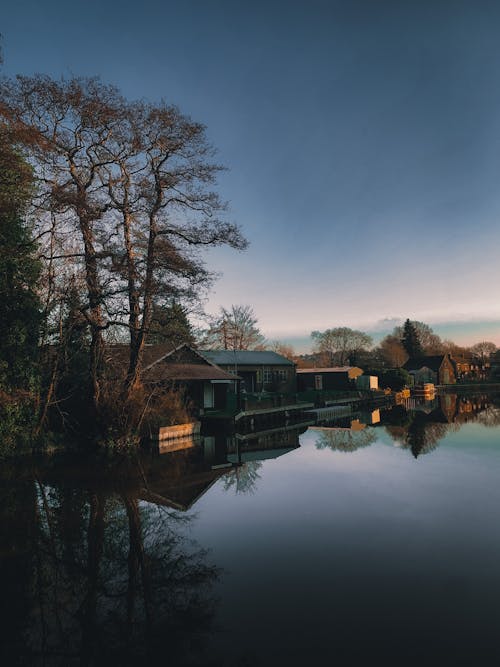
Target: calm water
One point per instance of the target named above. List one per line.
(376, 538)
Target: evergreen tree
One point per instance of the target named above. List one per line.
(19, 272)
(170, 324)
(411, 341)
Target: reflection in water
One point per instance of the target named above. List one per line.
(490, 416)
(415, 424)
(243, 478)
(420, 425)
(96, 566)
(246, 453)
(93, 576)
(348, 436)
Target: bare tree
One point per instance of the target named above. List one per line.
(393, 352)
(483, 350)
(284, 349)
(234, 328)
(129, 186)
(340, 343)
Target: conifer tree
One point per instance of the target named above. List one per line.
(411, 341)
(19, 272)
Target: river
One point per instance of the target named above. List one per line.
(372, 539)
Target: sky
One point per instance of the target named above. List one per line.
(362, 140)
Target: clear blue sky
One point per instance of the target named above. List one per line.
(362, 140)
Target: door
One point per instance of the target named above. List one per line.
(208, 395)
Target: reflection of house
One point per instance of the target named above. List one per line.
(259, 370)
(438, 369)
(269, 444)
(337, 377)
(178, 479)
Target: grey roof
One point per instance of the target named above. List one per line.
(246, 358)
(433, 362)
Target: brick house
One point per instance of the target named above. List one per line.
(438, 369)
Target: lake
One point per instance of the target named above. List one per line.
(374, 538)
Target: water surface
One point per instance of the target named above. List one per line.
(372, 539)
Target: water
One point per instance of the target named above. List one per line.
(349, 544)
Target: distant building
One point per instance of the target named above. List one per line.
(335, 377)
(469, 367)
(438, 369)
(258, 370)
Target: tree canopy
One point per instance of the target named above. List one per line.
(340, 343)
(483, 350)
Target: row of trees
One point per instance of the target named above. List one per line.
(342, 345)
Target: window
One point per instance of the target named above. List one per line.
(283, 375)
(318, 382)
(268, 376)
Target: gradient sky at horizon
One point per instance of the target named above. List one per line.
(362, 140)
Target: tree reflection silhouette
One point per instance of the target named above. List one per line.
(101, 578)
(343, 439)
(243, 478)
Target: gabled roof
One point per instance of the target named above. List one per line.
(246, 358)
(432, 362)
(166, 363)
(194, 366)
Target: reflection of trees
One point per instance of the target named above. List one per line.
(243, 478)
(421, 435)
(99, 578)
(344, 440)
(490, 416)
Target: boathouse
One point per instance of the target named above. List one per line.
(206, 384)
(165, 367)
(259, 370)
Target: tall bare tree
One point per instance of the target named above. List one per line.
(234, 328)
(483, 350)
(130, 184)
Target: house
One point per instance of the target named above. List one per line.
(206, 385)
(469, 367)
(438, 369)
(259, 370)
(336, 377)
